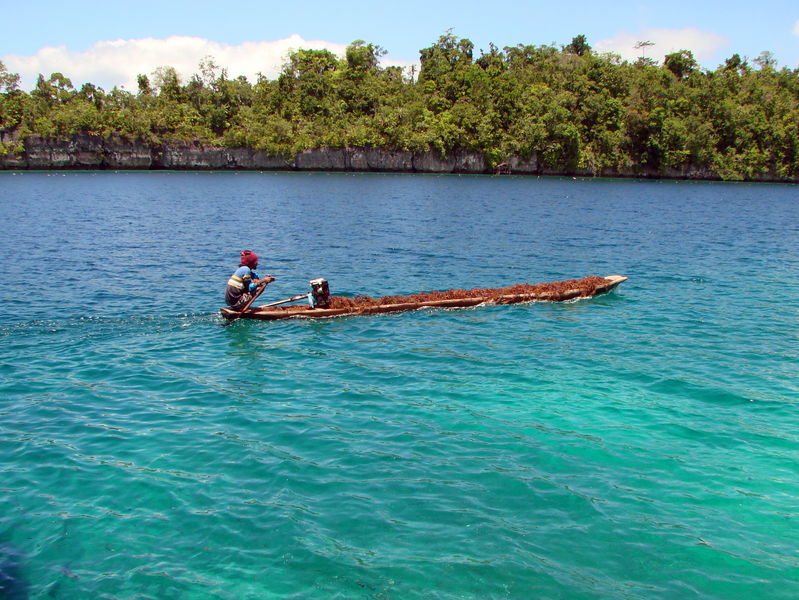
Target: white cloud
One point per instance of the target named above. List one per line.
(704, 45)
(118, 62)
(796, 28)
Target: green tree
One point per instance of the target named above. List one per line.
(143, 83)
(448, 54)
(681, 63)
(565, 107)
(362, 57)
(736, 63)
(9, 82)
(167, 81)
(579, 46)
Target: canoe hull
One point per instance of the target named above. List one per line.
(306, 312)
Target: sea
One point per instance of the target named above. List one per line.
(639, 445)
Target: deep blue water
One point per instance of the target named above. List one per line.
(638, 445)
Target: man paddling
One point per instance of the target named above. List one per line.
(244, 282)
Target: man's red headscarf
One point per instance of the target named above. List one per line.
(249, 259)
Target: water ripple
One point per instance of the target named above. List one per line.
(637, 445)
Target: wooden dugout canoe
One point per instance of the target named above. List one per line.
(559, 291)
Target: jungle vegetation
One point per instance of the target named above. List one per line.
(570, 106)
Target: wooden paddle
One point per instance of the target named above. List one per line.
(258, 291)
(292, 299)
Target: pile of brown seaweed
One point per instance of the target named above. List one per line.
(587, 286)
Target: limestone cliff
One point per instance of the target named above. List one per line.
(116, 153)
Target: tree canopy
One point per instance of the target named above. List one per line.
(570, 107)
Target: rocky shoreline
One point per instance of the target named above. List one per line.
(88, 152)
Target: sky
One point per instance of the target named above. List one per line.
(109, 43)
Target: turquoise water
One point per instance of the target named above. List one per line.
(638, 445)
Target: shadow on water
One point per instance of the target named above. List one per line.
(13, 585)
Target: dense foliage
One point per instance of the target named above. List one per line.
(570, 107)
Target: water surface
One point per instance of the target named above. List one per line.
(637, 445)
